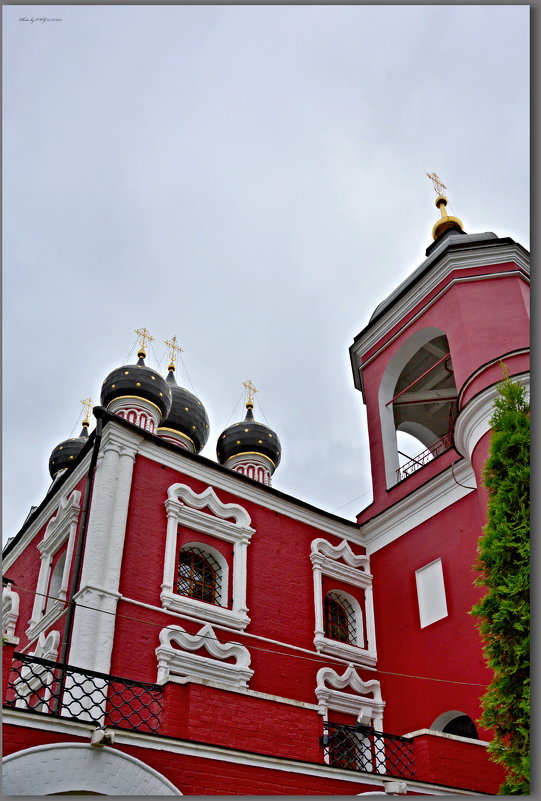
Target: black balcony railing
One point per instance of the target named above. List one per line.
(50, 688)
(364, 749)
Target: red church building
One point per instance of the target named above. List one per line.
(175, 625)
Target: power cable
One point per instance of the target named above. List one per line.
(172, 626)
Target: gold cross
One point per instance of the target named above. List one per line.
(145, 335)
(172, 343)
(250, 392)
(88, 403)
(439, 186)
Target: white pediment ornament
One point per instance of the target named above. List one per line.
(175, 657)
(183, 494)
(348, 693)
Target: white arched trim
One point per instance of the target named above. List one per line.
(205, 513)
(473, 421)
(356, 637)
(386, 393)
(445, 718)
(62, 768)
(222, 563)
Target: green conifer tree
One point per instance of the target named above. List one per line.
(503, 565)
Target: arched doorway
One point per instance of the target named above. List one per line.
(78, 768)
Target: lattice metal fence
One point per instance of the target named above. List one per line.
(365, 749)
(50, 688)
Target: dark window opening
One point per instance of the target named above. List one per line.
(461, 726)
(199, 576)
(339, 618)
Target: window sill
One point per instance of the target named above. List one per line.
(352, 653)
(234, 618)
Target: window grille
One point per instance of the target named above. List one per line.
(340, 621)
(199, 576)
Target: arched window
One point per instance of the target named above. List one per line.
(461, 726)
(457, 723)
(340, 618)
(418, 396)
(199, 575)
(55, 584)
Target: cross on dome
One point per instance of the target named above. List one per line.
(174, 348)
(145, 336)
(250, 392)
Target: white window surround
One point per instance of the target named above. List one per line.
(175, 661)
(223, 567)
(357, 636)
(10, 614)
(431, 593)
(357, 702)
(61, 528)
(353, 570)
(185, 507)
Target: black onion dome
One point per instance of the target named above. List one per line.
(140, 381)
(249, 436)
(187, 415)
(66, 452)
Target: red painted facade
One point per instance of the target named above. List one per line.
(243, 686)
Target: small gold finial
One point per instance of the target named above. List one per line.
(250, 392)
(172, 344)
(88, 403)
(446, 221)
(145, 336)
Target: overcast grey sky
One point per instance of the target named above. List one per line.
(252, 180)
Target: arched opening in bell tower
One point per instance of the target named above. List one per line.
(418, 398)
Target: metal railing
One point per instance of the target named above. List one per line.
(423, 458)
(362, 748)
(50, 688)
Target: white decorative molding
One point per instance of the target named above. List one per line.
(67, 767)
(255, 466)
(35, 677)
(172, 661)
(353, 570)
(94, 623)
(331, 696)
(424, 503)
(135, 739)
(396, 312)
(10, 614)
(138, 411)
(185, 507)
(473, 421)
(227, 480)
(61, 528)
(76, 474)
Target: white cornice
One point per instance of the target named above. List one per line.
(422, 504)
(47, 512)
(256, 493)
(462, 260)
(473, 422)
(229, 755)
